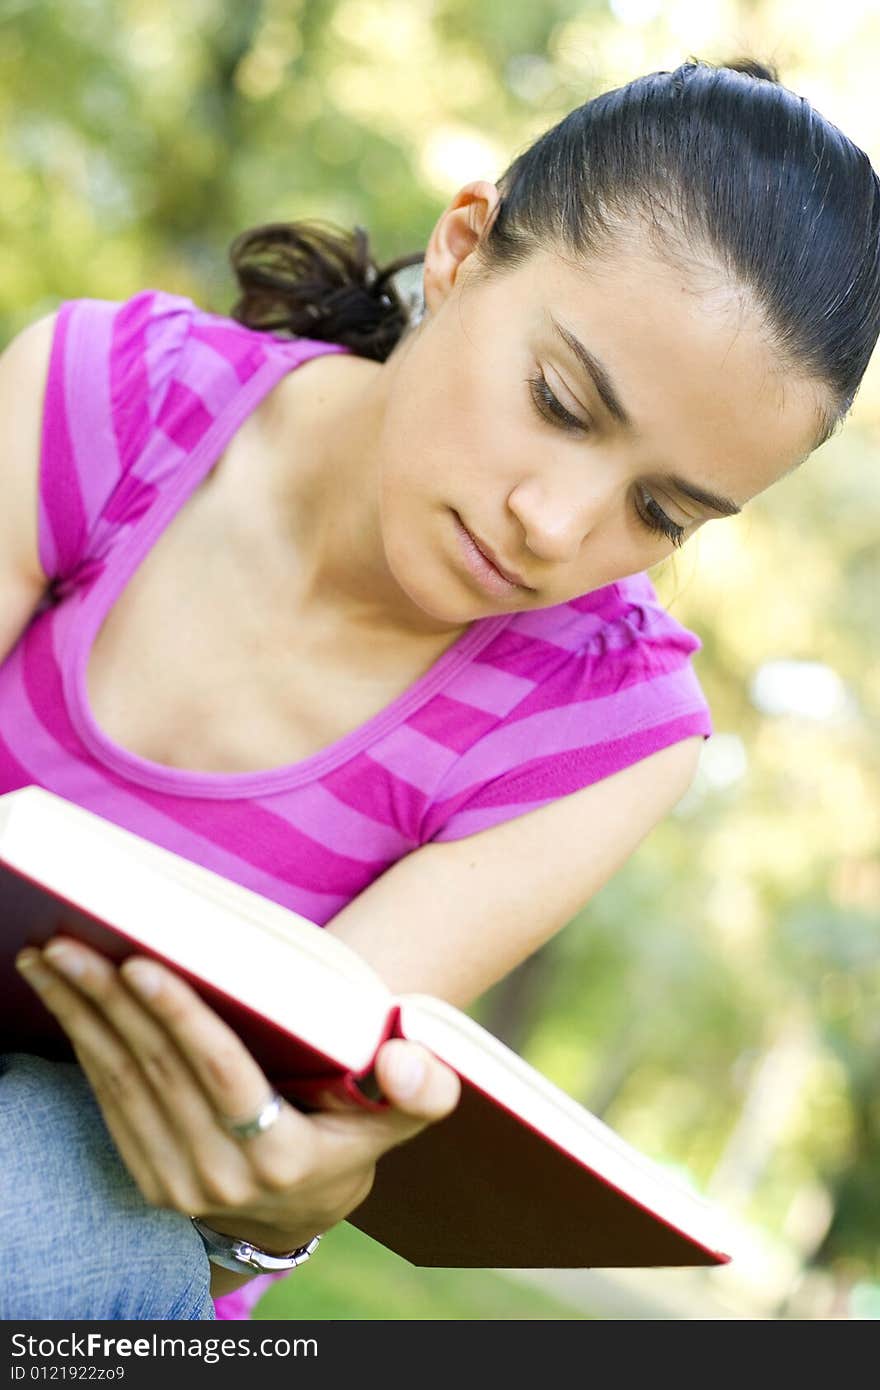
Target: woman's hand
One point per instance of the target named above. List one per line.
(166, 1070)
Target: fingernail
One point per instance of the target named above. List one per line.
(66, 959)
(28, 965)
(407, 1073)
(143, 978)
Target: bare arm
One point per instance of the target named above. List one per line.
(23, 370)
(453, 918)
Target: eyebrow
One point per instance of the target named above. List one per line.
(724, 506)
(594, 369)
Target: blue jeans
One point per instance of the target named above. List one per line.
(77, 1239)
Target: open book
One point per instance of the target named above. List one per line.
(520, 1175)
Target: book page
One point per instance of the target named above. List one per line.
(281, 967)
(46, 814)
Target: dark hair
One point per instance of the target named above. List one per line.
(722, 160)
(315, 281)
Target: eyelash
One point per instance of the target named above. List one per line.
(657, 520)
(552, 409)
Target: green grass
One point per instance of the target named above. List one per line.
(352, 1277)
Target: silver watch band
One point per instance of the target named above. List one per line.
(243, 1257)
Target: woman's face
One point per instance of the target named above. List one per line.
(566, 426)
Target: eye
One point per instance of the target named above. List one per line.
(552, 409)
(653, 516)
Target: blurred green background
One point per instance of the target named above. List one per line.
(717, 1003)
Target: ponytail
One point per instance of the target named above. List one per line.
(312, 280)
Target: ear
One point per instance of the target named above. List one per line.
(465, 222)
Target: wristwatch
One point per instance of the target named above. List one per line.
(243, 1257)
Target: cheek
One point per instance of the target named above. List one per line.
(614, 551)
(455, 407)
(418, 550)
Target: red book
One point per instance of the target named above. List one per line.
(519, 1175)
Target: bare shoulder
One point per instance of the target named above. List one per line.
(24, 363)
(23, 372)
(453, 918)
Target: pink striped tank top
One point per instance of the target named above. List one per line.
(141, 400)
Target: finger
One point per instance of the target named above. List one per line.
(170, 1077)
(292, 1158)
(416, 1083)
(146, 1143)
(422, 1091)
(234, 1084)
(226, 1170)
(143, 1163)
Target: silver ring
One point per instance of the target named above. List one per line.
(246, 1129)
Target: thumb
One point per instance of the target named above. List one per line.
(420, 1089)
(415, 1082)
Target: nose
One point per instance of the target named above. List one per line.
(557, 517)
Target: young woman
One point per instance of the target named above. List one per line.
(354, 610)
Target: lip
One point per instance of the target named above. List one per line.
(484, 565)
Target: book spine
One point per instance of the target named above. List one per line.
(358, 1089)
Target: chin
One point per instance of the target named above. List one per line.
(450, 614)
(457, 610)
(429, 580)
(444, 603)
